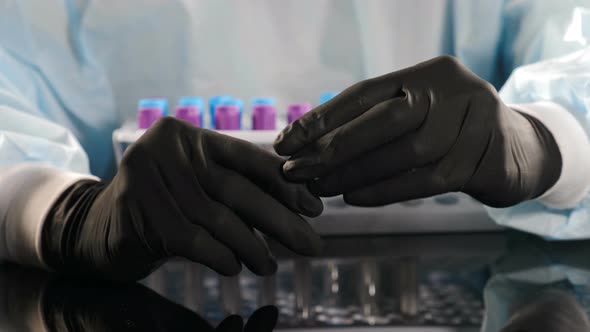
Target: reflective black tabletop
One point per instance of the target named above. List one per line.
(488, 281)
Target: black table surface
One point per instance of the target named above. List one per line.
(443, 282)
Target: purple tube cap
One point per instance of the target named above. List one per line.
(263, 117)
(295, 111)
(190, 114)
(147, 116)
(227, 117)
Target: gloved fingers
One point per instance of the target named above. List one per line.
(260, 210)
(196, 207)
(435, 138)
(400, 156)
(264, 169)
(196, 244)
(447, 174)
(346, 106)
(418, 183)
(231, 230)
(381, 124)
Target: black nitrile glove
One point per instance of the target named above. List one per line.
(428, 129)
(181, 191)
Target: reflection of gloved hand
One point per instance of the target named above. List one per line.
(551, 311)
(264, 319)
(428, 129)
(31, 300)
(21, 289)
(87, 307)
(180, 191)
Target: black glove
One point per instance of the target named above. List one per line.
(181, 191)
(425, 130)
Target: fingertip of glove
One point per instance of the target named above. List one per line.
(316, 246)
(356, 199)
(280, 145)
(311, 245)
(267, 269)
(289, 140)
(289, 171)
(312, 206)
(318, 189)
(231, 269)
(364, 199)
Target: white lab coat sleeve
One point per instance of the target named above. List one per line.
(39, 159)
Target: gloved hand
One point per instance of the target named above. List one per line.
(181, 191)
(428, 129)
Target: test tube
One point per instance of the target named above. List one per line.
(295, 111)
(303, 288)
(213, 102)
(149, 111)
(227, 117)
(408, 286)
(189, 109)
(263, 117)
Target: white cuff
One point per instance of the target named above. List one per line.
(574, 181)
(29, 190)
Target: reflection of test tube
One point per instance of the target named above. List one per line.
(332, 284)
(231, 297)
(303, 288)
(369, 289)
(193, 281)
(408, 286)
(267, 289)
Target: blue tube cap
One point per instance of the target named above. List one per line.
(324, 97)
(191, 101)
(161, 103)
(214, 100)
(232, 101)
(263, 101)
